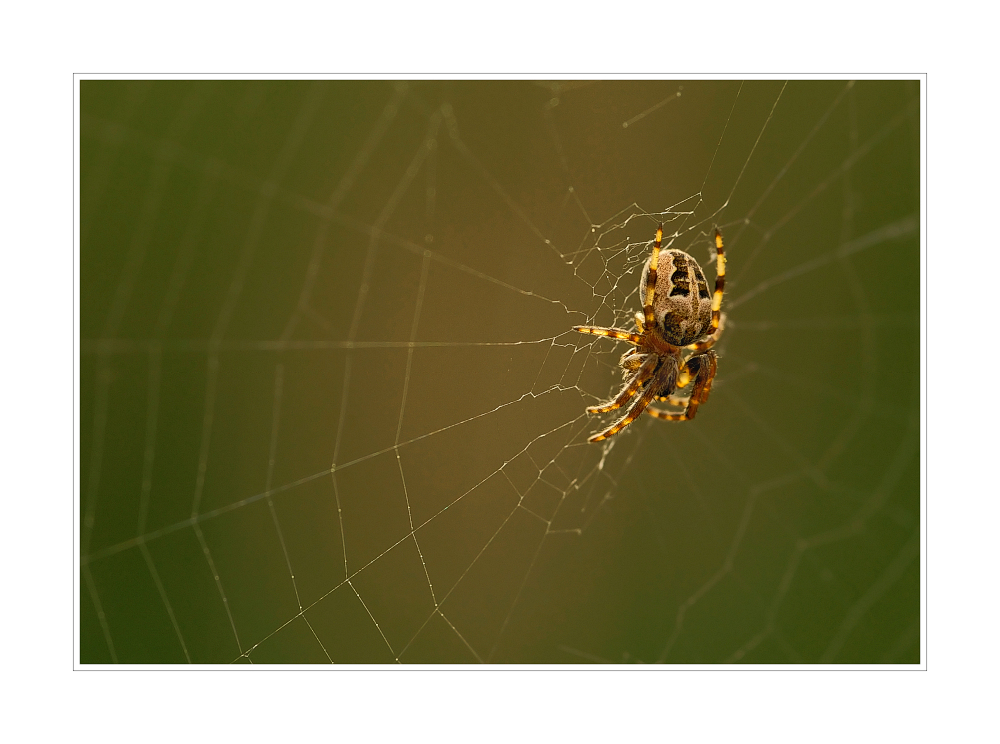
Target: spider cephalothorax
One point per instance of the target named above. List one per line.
(678, 315)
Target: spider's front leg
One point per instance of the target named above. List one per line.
(703, 368)
(646, 369)
(631, 361)
(663, 379)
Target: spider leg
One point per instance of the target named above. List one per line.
(646, 370)
(673, 400)
(647, 308)
(660, 381)
(720, 282)
(631, 361)
(709, 342)
(684, 376)
(705, 369)
(617, 333)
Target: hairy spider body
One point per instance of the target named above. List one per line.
(679, 315)
(682, 304)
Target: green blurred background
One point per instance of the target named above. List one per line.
(331, 409)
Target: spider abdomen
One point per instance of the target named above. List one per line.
(683, 303)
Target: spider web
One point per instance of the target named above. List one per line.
(332, 411)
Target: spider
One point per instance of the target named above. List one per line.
(677, 316)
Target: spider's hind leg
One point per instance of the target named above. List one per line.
(720, 282)
(709, 342)
(647, 308)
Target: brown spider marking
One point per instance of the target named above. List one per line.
(674, 320)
